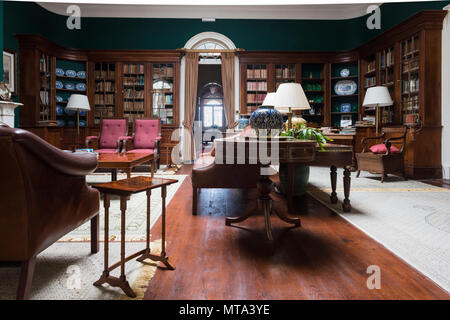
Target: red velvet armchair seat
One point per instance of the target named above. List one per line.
(146, 138)
(110, 132)
(43, 196)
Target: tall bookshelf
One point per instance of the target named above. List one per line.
(104, 91)
(313, 84)
(284, 73)
(410, 67)
(163, 92)
(369, 79)
(256, 86)
(133, 91)
(338, 110)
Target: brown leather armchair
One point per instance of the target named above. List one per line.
(43, 196)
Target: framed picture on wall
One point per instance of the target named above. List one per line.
(10, 70)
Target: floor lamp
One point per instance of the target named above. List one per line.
(377, 97)
(78, 102)
(291, 97)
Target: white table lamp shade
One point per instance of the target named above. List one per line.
(377, 96)
(269, 100)
(78, 102)
(290, 96)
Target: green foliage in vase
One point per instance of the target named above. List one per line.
(303, 132)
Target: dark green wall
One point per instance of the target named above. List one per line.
(142, 33)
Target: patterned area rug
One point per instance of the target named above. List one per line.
(67, 271)
(136, 210)
(410, 218)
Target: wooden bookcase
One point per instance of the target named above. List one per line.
(104, 91)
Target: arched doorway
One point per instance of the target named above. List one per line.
(210, 110)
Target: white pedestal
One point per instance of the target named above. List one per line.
(7, 112)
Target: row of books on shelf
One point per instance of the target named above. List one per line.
(410, 65)
(371, 66)
(387, 60)
(284, 73)
(104, 112)
(162, 72)
(370, 82)
(411, 103)
(104, 98)
(133, 81)
(410, 46)
(104, 86)
(257, 73)
(163, 112)
(43, 95)
(133, 68)
(133, 94)
(387, 77)
(43, 67)
(133, 106)
(255, 97)
(104, 74)
(162, 99)
(410, 86)
(256, 86)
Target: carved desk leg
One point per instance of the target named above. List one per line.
(105, 274)
(333, 177)
(347, 180)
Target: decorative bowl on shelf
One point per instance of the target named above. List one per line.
(71, 73)
(59, 99)
(81, 86)
(59, 110)
(59, 72)
(69, 86)
(346, 107)
(345, 87)
(59, 84)
(344, 73)
(81, 74)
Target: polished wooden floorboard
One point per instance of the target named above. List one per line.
(326, 258)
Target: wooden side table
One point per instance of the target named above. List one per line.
(124, 188)
(168, 146)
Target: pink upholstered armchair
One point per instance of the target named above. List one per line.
(110, 132)
(146, 138)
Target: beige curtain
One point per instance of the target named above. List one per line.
(190, 102)
(228, 87)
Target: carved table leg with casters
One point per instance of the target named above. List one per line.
(162, 257)
(347, 180)
(265, 187)
(333, 177)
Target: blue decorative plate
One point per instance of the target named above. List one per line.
(69, 86)
(59, 84)
(60, 123)
(81, 74)
(59, 110)
(81, 86)
(59, 99)
(345, 87)
(344, 73)
(82, 123)
(59, 72)
(346, 107)
(70, 112)
(71, 73)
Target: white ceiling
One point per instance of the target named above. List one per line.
(246, 11)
